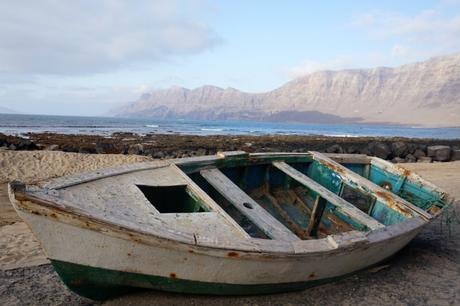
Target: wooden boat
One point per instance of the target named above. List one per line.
(233, 223)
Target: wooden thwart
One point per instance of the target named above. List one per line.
(341, 205)
(247, 206)
(395, 202)
(316, 214)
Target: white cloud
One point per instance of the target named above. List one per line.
(429, 32)
(78, 37)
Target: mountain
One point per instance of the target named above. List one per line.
(4, 110)
(425, 93)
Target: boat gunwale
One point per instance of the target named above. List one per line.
(259, 247)
(246, 245)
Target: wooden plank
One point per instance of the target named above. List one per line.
(72, 180)
(349, 158)
(208, 201)
(247, 206)
(388, 198)
(316, 214)
(341, 205)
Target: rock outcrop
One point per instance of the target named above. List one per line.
(425, 93)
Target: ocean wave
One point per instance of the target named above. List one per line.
(211, 129)
(341, 135)
(152, 125)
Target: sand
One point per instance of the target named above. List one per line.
(425, 272)
(33, 166)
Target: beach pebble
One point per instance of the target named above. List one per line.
(399, 149)
(439, 153)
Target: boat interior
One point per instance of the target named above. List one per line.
(235, 196)
(305, 196)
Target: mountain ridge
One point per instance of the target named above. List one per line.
(425, 93)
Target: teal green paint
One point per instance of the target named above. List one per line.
(101, 284)
(357, 168)
(410, 191)
(385, 215)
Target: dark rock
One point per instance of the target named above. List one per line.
(419, 153)
(102, 147)
(379, 149)
(439, 153)
(12, 147)
(411, 147)
(365, 151)
(26, 144)
(136, 149)
(352, 150)
(455, 155)
(86, 150)
(158, 154)
(398, 160)
(399, 149)
(334, 149)
(422, 147)
(200, 152)
(424, 159)
(410, 158)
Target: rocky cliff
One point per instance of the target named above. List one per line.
(424, 93)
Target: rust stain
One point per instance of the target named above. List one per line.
(392, 203)
(405, 172)
(333, 167)
(434, 210)
(129, 254)
(172, 275)
(191, 251)
(312, 275)
(53, 215)
(233, 254)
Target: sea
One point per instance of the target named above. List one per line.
(18, 124)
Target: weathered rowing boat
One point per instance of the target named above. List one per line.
(233, 223)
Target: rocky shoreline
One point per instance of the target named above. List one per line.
(396, 149)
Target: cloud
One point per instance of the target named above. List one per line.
(81, 37)
(428, 32)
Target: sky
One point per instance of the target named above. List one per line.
(86, 57)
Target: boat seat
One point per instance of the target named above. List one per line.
(247, 206)
(341, 205)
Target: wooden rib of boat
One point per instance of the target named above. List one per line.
(233, 223)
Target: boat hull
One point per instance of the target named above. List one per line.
(100, 265)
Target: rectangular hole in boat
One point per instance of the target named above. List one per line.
(171, 199)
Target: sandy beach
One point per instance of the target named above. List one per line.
(425, 272)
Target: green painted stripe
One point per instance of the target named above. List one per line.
(101, 284)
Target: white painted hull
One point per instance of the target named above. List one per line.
(91, 248)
